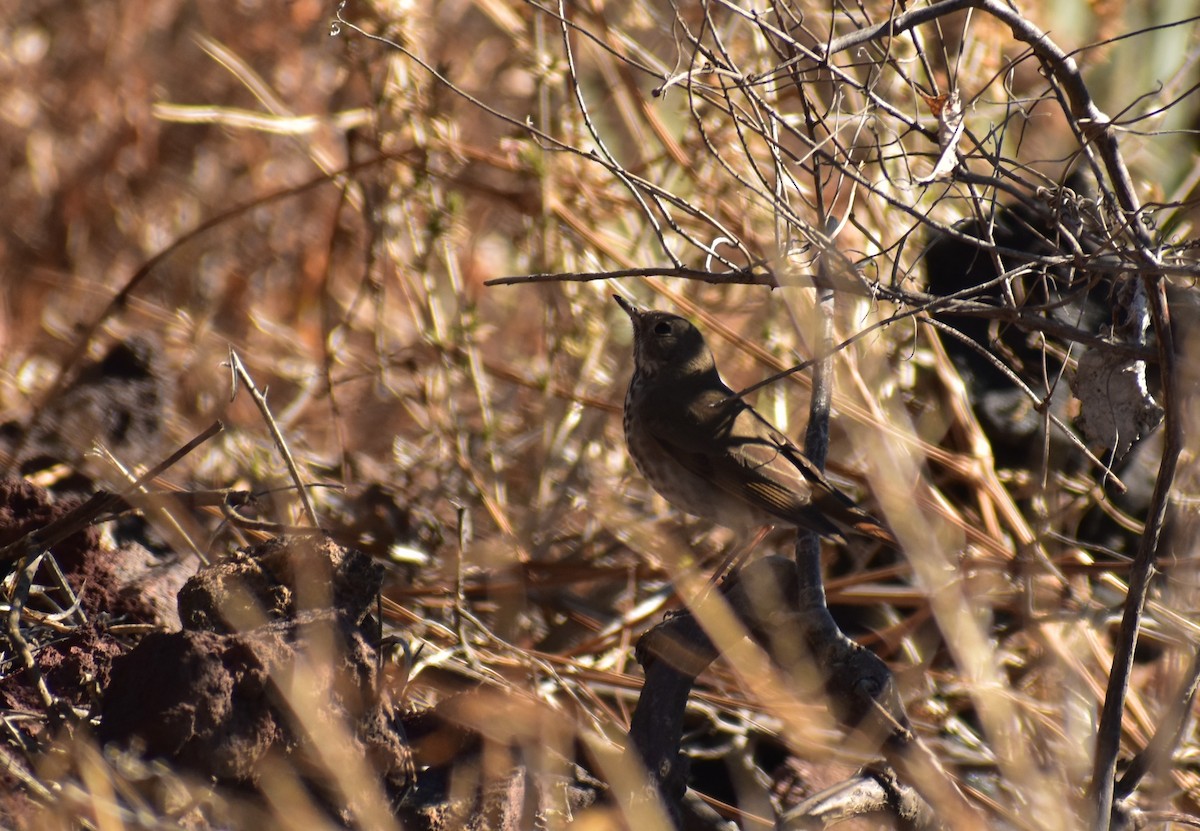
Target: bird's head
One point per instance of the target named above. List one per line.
(667, 344)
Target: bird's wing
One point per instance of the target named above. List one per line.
(782, 463)
(724, 441)
(728, 443)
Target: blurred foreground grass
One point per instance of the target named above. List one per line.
(489, 415)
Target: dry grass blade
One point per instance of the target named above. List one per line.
(978, 183)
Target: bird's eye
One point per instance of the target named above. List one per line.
(662, 328)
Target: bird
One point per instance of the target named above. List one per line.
(710, 454)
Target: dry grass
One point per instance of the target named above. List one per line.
(478, 146)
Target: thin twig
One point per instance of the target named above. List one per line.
(1040, 404)
(98, 504)
(744, 276)
(1108, 735)
(122, 297)
(1159, 749)
(260, 401)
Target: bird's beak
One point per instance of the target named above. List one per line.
(635, 314)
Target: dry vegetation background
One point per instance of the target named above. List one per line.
(329, 201)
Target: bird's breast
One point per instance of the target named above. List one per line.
(685, 490)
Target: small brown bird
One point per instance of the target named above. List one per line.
(712, 455)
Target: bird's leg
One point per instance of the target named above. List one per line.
(739, 555)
